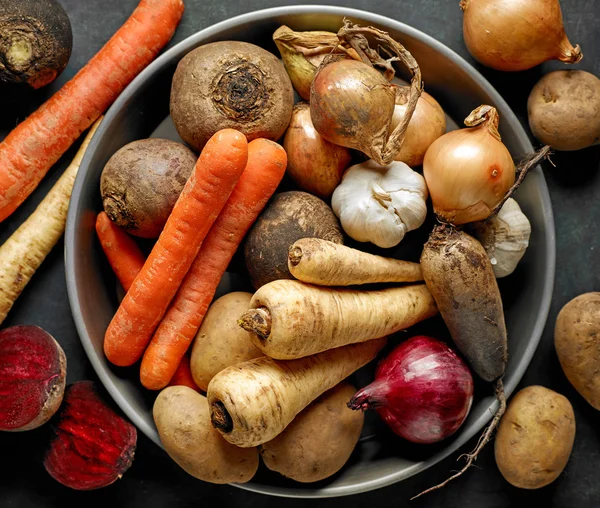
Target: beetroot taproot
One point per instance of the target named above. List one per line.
(93, 445)
(33, 369)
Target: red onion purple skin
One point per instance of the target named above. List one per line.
(423, 390)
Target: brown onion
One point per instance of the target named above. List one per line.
(315, 164)
(352, 103)
(426, 125)
(515, 35)
(469, 171)
(302, 53)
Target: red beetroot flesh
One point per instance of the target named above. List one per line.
(423, 390)
(93, 445)
(32, 377)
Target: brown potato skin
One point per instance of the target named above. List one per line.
(141, 183)
(230, 84)
(182, 418)
(564, 110)
(220, 341)
(288, 217)
(535, 437)
(319, 441)
(577, 343)
(458, 273)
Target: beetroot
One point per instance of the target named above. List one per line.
(33, 368)
(93, 445)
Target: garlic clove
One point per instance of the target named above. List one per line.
(505, 238)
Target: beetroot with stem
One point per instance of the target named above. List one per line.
(422, 390)
(93, 446)
(33, 369)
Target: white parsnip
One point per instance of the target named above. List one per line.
(289, 319)
(254, 401)
(325, 263)
(23, 253)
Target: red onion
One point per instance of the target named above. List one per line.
(423, 390)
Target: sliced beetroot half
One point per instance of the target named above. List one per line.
(33, 369)
(93, 446)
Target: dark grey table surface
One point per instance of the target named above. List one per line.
(154, 480)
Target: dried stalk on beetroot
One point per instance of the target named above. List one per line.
(33, 368)
(93, 445)
(459, 274)
(352, 104)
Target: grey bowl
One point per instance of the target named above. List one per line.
(380, 459)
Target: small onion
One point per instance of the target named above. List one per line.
(469, 171)
(302, 53)
(515, 35)
(422, 390)
(426, 125)
(315, 164)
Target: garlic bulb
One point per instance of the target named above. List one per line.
(505, 238)
(380, 204)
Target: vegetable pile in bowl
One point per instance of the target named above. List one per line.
(287, 263)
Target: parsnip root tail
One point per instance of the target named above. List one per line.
(483, 440)
(220, 417)
(257, 321)
(295, 255)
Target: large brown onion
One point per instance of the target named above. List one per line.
(315, 164)
(514, 35)
(352, 103)
(469, 171)
(426, 125)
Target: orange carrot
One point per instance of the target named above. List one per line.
(124, 255)
(266, 165)
(216, 173)
(31, 149)
(183, 375)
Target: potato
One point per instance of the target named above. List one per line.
(220, 341)
(564, 110)
(319, 441)
(288, 217)
(577, 343)
(141, 182)
(182, 418)
(535, 437)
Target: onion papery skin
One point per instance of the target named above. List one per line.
(423, 390)
(315, 164)
(426, 125)
(515, 35)
(351, 105)
(468, 172)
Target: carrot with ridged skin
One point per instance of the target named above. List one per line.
(325, 263)
(123, 254)
(254, 401)
(25, 250)
(32, 147)
(266, 166)
(289, 319)
(214, 177)
(183, 375)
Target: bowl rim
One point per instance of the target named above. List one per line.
(509, 120)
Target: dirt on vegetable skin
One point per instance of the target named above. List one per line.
(35, 41)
